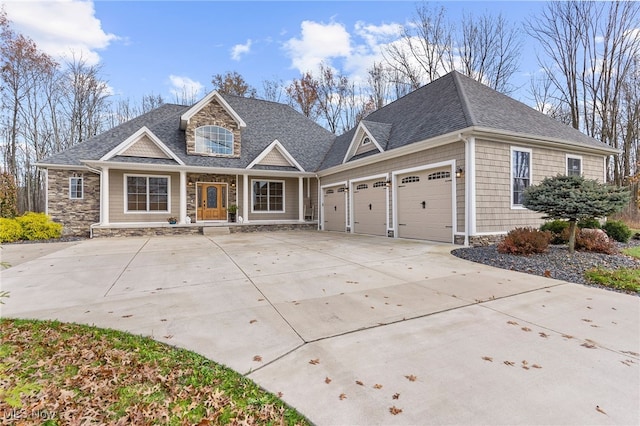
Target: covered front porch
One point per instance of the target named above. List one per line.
(190, 202)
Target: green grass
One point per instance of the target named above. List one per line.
(624, 279)
(632, 251)
(113, 377)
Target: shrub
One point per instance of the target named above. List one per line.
(10, 230)
(38, 226)
(617, 230)
(525, 241)
(559, 231)
(589, 223)
(595, 240)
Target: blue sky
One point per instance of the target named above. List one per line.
(159, 47)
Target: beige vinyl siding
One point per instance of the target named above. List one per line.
(447, 152)
(117, 198)
(365, 148)
(494, 212)
(290, 200)
(275, 158)
(144, 147)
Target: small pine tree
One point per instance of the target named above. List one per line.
(574, 198)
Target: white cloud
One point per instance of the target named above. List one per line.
(184, 88)
(318, 42)
(351, 52)
(61, 27)
(240, 49)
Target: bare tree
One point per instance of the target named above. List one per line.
(303, 95)
(273, 90)
(333, 90)
(489, 50)
(424, 52)
(86, 99)
(234, 84)
(590, 50)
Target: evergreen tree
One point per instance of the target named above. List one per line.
(574, 198)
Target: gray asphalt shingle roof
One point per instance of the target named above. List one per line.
(266, 121)
(449, 104)
(455, 102)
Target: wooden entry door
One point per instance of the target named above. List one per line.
(213, 201)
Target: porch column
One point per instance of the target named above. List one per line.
(300, 199)
(104, 196)
(183, 197)
(245, 198)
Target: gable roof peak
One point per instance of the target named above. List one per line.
(217, 96)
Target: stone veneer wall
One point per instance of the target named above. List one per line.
(212, 115)
(76, 216)
(485, 240)
(196, 230)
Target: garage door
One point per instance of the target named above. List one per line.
(424, 205)
(370, 207)
(334, 209)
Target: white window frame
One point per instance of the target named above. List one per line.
(572, 157)
(71, 192)
(126, 194)
(511, 176)
(284, 196)
(195, 138)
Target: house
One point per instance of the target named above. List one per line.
(448, 162)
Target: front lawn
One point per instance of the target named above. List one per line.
(624, 279)
(66, 373)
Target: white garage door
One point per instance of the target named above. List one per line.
(334, 209)
(424, 205)
(370, 206)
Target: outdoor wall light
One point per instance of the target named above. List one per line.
(459, 172)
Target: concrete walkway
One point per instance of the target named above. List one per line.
(354, 329)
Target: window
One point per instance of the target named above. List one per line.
(411, 179)
(214, 140)
(362, 186)
(520, 174)
(366, 140)
(574, 165)
(379, 184)
(147, 194)
(76, 188)
(439, 175)
(268, 196)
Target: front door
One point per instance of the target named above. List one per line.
(213, 202)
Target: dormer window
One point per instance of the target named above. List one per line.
(214, 140)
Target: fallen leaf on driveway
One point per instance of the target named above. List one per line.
(127, 316)
(512, 322)
(315, 361)
(253, 321)
(358, 382)
(543, 334)
(525, 329)
(509, 363)
(588, 345)
(411, 377)
(536, 366)
(342, 396)
(257, 358)
(395, 410)
(377, 386)
(396, 396)
(600, 410)
(327, 380)
(487, 358)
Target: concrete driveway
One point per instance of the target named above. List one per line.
(354, 329)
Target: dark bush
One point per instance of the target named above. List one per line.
(590, 223)
(617, 230)
(525, 241)
(559, 231)
(595, 240)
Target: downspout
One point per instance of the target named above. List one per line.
(469, 187)
(318, 206)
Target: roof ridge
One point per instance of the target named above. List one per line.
(466, 107)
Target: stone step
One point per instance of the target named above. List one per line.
(215, 230)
